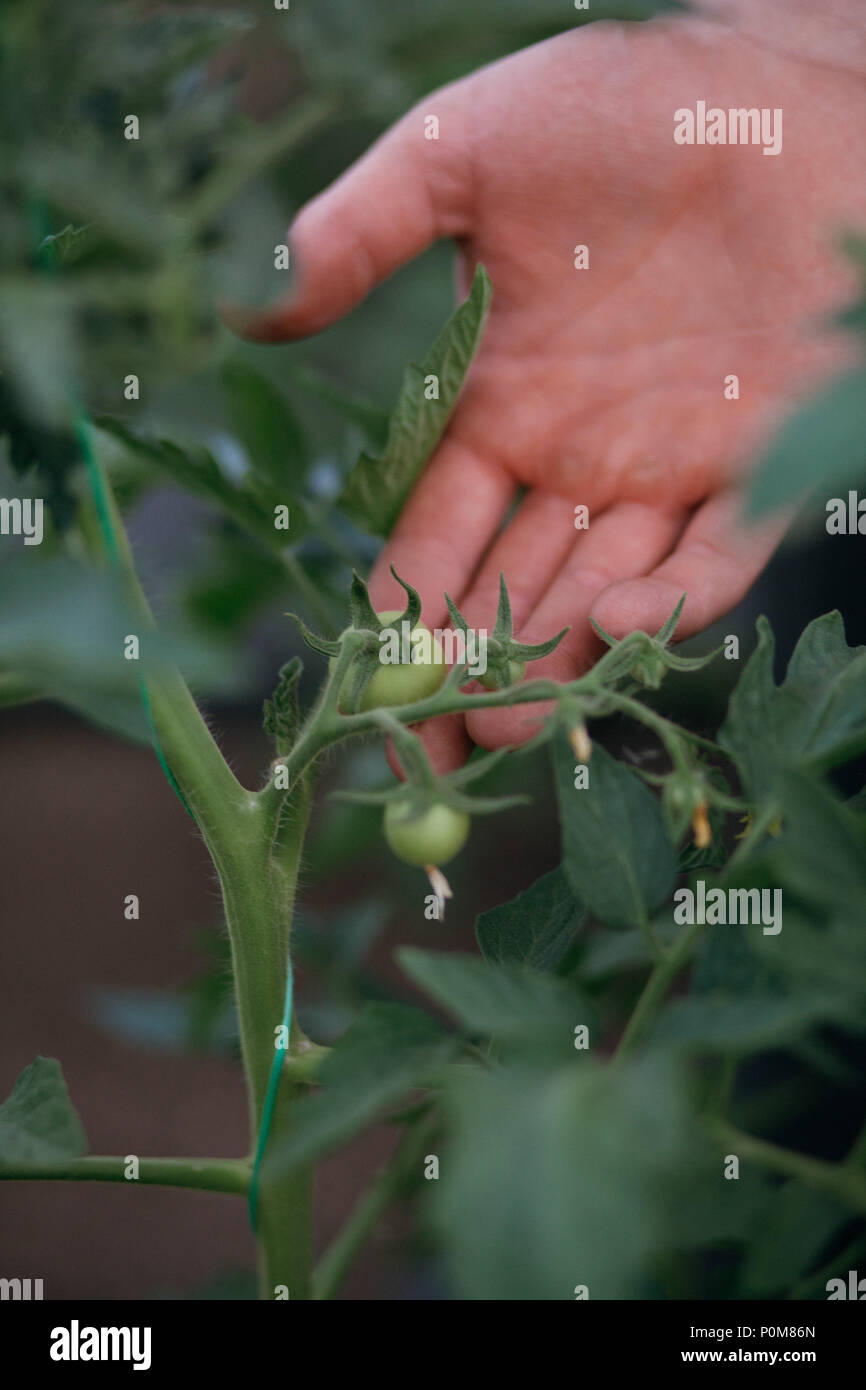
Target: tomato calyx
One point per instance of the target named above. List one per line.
(384, 658)
(506, 658)
(650, 657)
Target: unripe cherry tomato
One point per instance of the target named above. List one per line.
(434, 837)
(399, 684)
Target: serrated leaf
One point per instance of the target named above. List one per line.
(560, 1179)
(282, 713)
(535, 928)
(816, 718)
(38, 1122)
(503, 1001)
(377, 489)
(615, 850)
(250, 503)
(70, 244)
(391, 1049)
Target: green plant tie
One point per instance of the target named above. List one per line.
(270, 1100)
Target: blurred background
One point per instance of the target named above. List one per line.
(139, 1012)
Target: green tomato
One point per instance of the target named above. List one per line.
(396, 683)
(432, 838)
(516, 672)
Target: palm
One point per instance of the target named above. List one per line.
(603, 386)
(608, 383)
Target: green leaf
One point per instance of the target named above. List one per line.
(821, 853)
(558, 1180)
(816, 718)
(267, 428)
(789, 1237)
(821, 447)
(819, 863)
(535, 928)
(371, 419)
(63, 631)
(616, 853)
(391, 1049)
(753, 990)
(282, 714)
(251, 502)
(377, 489)
(738, 1025)
(70, 244)
(38, 1123)
(501, 1001)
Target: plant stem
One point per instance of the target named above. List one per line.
(326, 726)
(255, 848)
(365, 1216)
(212, 792)
(655, 990)
(207, 1174)
(846, 1183)
(259, 899)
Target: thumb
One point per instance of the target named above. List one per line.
(410, 188)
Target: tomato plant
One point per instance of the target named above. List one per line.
(634, 1057)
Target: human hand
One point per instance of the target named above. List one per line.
(606, 386)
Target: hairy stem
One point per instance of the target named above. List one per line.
(255, 848)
